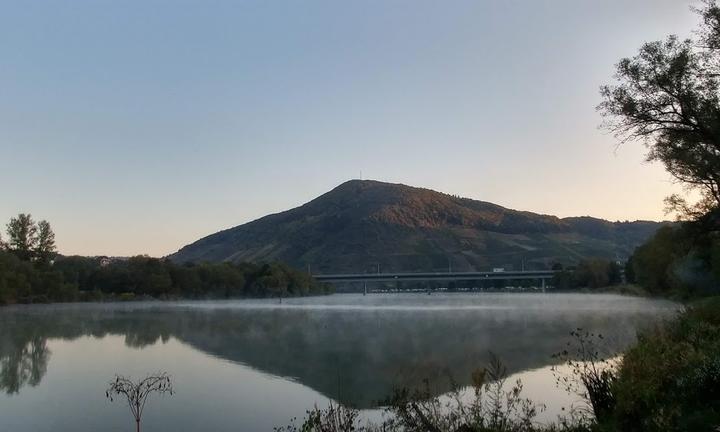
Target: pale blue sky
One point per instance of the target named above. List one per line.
(140, 126)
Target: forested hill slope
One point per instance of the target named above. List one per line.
(362, 224)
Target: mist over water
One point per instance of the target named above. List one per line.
(254, 364)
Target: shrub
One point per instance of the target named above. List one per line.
(670, 380)
(592, 372)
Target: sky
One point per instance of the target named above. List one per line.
(139, 126)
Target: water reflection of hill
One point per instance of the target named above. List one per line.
(356, 356)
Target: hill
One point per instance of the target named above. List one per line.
(362, 224)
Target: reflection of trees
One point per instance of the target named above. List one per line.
(24, 365)
(24, 333)
(356, 357)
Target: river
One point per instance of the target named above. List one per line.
(253, 364)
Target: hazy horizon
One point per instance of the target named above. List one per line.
(140, 127)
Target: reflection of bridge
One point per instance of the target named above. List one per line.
(541, 275)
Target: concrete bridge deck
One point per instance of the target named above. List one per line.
(436, 276)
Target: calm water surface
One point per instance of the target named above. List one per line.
(254, 364)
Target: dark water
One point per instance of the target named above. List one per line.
(252, 365)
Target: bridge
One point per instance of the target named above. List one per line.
(541, 275)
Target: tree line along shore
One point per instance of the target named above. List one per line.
(32, 272)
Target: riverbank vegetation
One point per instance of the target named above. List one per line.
(670, 380)
(592, 274)
(32, 272)
(679, 261)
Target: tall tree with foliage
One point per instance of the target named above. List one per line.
(668, 96)
(22, 236)
(45, 242)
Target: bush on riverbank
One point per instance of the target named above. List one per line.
(670, 380)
